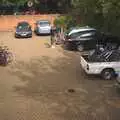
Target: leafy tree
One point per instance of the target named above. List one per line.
(102, 14)
(9, 2)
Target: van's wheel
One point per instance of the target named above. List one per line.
(108, 74)
(80, 48)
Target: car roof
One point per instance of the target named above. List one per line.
(77, 27)
(42, 21)
(23, 22)
(81, 29)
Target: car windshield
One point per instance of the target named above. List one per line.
(23, 26)
(44, 23)
(70, 29)
(78, 34)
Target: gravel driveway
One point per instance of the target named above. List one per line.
(48, 84)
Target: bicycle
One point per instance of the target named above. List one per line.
(6, 56)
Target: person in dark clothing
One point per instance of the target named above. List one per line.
(53, 32)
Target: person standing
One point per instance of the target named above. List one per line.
(58, 35)
(53, 32)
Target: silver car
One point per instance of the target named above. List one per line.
(42, 27)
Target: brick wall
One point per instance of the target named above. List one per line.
(8, 22)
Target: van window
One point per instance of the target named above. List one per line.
(80, 33)
(88, 34)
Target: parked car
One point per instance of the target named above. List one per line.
(84, 39)
(88, 38)
(42, 27)
(23, 30)
(106, 64)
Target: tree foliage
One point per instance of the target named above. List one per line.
(102, 14)
(13, 2)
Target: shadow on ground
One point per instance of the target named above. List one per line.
(49, 80)
(45, 72)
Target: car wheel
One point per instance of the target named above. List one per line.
(108, 74)
(80, 48)
(16, 36)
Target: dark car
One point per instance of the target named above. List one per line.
(23, 30)
(86, 40)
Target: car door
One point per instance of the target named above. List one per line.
(78, 37)
(114, 60)
(89, 39)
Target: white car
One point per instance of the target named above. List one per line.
(108, 67)
(42, 27)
